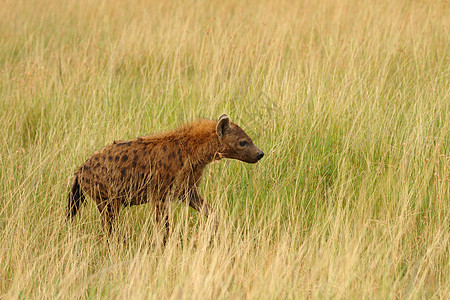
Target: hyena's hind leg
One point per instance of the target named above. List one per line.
(162, 219)
(109, 210)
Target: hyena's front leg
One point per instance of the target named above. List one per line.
(199, 204)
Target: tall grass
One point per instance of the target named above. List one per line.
(349, 100)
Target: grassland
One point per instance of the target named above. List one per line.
(348, 99)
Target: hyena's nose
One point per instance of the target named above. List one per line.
(260, 155)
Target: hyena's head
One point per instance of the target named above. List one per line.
(235, 143)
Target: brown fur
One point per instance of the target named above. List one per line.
(157, 167)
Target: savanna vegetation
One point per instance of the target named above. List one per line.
(349, 100)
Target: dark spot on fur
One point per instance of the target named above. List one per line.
(110, 158)
(125, 157)
(159, 163)
(164, 148)
(143, 167)
(124, 144)
(85, 168)
(135, 151)
(123, 172)
(87, 180)
(134, 163)
(116, 158)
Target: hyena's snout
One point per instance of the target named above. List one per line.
(256, 155)
(259, 155)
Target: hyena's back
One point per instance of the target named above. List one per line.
(132, 172)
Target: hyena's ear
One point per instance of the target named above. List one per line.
(223, 125)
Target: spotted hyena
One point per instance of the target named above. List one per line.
(158, 167)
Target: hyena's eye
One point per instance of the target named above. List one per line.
(243, 143)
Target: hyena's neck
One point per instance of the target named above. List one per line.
(202, 143)
(208, 152)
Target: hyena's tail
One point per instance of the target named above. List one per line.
(76, 198)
